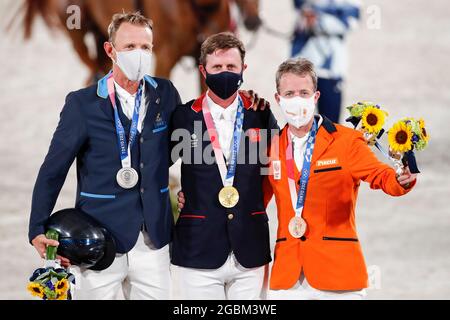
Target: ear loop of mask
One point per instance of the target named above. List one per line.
(112, 45)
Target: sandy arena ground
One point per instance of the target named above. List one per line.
(403, 66)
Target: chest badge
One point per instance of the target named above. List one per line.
(276, 166)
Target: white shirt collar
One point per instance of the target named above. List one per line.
(125, 95)
(217, 111)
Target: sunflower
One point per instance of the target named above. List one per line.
(62, 296)
(36, 289)
(373, 119)
(424, 134)
(400, 137)
(61, 287)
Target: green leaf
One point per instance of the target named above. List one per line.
(49, 293)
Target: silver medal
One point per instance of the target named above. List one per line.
(127, 178)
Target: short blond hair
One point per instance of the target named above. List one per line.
(300, 67)
(135, 18)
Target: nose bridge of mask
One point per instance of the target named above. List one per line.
(298, 101)
(292, 105)
(141, 53)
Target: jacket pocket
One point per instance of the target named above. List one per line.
(187, 219)
(280, 240)
(339, 239)
(327, 169)
(160, 129)
(260, 215)
(97, 196)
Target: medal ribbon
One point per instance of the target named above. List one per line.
(226, 175)
(125, 150)
(298, 201)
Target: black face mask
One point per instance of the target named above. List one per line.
(224, 84)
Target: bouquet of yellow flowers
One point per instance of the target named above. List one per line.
(405, 136)
(51, 282)
(372, 119)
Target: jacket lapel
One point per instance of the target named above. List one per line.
(324, 139)
(108, 110)
(154, 109)
(126, 123)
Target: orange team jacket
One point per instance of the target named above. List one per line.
(329, 254)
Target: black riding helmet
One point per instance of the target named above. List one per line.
(82, 239)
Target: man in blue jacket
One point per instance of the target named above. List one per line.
(118, 132)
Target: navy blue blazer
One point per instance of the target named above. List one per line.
(206, 232)
(86, 132)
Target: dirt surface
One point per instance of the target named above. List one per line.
(403, 66)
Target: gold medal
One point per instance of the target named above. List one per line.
(297, 227)
(228, 197)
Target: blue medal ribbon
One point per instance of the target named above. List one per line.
(307, 159)
(238, 129)
(121, 137)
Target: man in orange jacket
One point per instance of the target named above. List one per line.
(316, 169)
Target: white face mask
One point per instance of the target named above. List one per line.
(135, 64)
(298, 111)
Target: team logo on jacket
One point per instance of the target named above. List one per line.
(159, 121)
(276, 166)
(327, 162)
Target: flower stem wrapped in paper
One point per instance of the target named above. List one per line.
(405, 136)
(372, 119)
(51, 282)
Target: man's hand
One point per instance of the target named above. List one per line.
(406, 178)
(258, 103)
(41, 242)
(181, 200)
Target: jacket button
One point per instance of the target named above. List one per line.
(230, 216)
(142, 165)
(142, 190)
(142, 140)
(303, 238)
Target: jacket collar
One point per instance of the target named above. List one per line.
(102, 87)
(198, 103)
(328, 125)
(323, 140)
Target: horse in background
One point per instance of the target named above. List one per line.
(180, 26)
